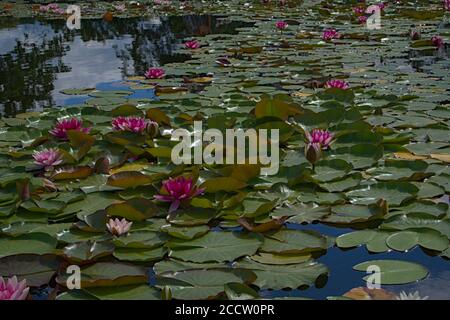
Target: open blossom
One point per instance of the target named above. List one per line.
(322, 137)
(120, 7)
(446, 4)
(155, 73)
(118, 227)
(47, 158)
(362, 19)
(11, 289)
(64, 125)
(330, 34)
(359, 10)
(132, 124)
(281, 25)
(52, 8)
(410, 296)
(437, 41)
(192, 44)
(339, 84)
(381, 5)
(178, 190)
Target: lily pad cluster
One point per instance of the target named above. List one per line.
(385, 174)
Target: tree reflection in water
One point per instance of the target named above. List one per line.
(45, 55)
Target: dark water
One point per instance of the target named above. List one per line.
(40, 58)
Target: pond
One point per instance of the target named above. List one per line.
(88, 176)
(41, 58)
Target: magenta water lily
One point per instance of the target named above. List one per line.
(437, 41)
(330, 34)
(322, 137)
(359, 10)
(118, 227)
(362, 19)
(132, 124)
(281, 25)
(177, 191)
(192, 44)
(12, 289)
(446, 4)
(64, 125)
(155, 73)
(48, 158)
(339, 84)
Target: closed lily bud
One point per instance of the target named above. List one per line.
(152, 129)
(313, 152)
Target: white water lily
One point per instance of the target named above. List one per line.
(410, 296)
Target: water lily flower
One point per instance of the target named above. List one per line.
(152, 128)
(11, 289)
(64, 125)
(47, 158)
(192, 44)
(313, 152)
(53, 6)
(321, 137)
(414, 34)
(60, 11)
(118, 227)
(132, 124)
(120, 7)
(410, 296)
(155, 73)
(381, 5)
(446, 5)
(339, 84)
(359, 10)
(330, 34)
(362, 19)
(437, 41)
(281, 25)
(178, 190)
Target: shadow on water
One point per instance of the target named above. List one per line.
(343, 278)
(40, 58)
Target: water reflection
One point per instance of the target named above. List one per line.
(39, 58)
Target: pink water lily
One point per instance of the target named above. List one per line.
(47, 158)
(446, 5)
(437, 41)
(362, 19)
(132, 124)
(381, 5)
(52, 7)
(155, 73)
(281, 25)
(321, 137)
(12, 289)
(330, 34)
(178, 190)
(339, 84)
(118, 227)
(64, 125)
(359, 10)
(192, 44)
